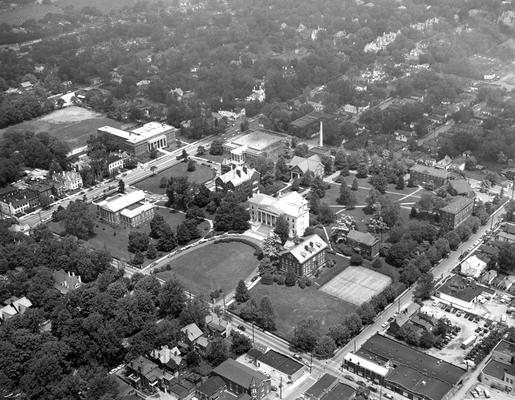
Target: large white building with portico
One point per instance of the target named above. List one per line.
(266, 209)
(142, 140)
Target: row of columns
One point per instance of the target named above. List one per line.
(265, 218)
(157, 144)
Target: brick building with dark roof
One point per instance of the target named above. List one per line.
(456, 212)
(211, 389)
(499, 371)
(367, 243)
(424, 175)
(280, 366)
(241, 379)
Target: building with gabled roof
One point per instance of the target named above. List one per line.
(460, 187)
(300, 165)
(281, 367)
(66, 281)
(367, 243)
(473, 267)
(425, 175)
(170, 358)
(192, 332)
(67, 181)
(305, 258)
(462, 292)
(127, 209)
(211, 389)
(240, 177)
(265, 209)
(241, 379)
(7, 312)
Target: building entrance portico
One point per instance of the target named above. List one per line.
(157, 143)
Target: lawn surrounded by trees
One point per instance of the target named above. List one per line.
(152, 184)
(213, 266)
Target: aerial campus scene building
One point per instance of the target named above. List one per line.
(211, 200)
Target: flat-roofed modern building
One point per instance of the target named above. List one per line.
(140, 141)
(265, 209)
(128, 209)
(281, 367)
(259, 143)
(499, 372)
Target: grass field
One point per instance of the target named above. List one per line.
(72, 124)
(151, 184)
(356, 285)
(212, 267)
(116, 239)
(21, 14)
(293, 304)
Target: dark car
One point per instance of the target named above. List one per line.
(361, 383)
(253, 278)
(350, 378)
(242, 328)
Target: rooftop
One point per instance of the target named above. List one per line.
(211, 386)
(367, 364)
(362, 237)
(462, 288)
(457, 205)
(289, 203)
(322, 385)
(280, 362)
(120, 201)
(136, 209)
(237, 175)
(340, 392)
(417, 382)
(496, 369)
(423, 169)
(308, 119)
(258, 140)
(460, 186)
(305, 164)
(192, 331)
(505, 347)
(238, 373)
(385, 349)
(143, 133)
(309, 247)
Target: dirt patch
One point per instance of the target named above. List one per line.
(70, 114)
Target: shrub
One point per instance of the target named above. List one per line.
(279, 279)
(356, 259)
(308, 282)
(301, 283)
(267, 279)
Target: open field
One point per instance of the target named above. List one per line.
(151, 184)
(293, 304)
(116, 239)
(73, 125)
(356, 285)
(36, 11)
(213, 266)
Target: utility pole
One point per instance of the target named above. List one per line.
(311, 363)
(281, 388)
(252, 331)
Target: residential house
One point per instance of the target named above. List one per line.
(241, 178)
(305, 258)
(14, 306)
(489, 277)
(114, 164)
(507, 282)
(42, 189)
(241, 379)
(26, 85)
(472, 267)
(170, 358)
(456, 212)
(7, 312)
(499, 372)
(265, 209)
(218, 327)
(127, 209)
(367, 243)
(67, 181)
(15, 201)
(211, 389)
(300, 165)
(460, 187)
(404, 136)
(145, 374)
(66, 281)
(425, 175)
(507, 234)
(194, 335)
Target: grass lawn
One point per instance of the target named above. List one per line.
(72, 124)
(116, 239)
(151, 184)
(332, 194)
(293, 304)
(213, 266)
(215, 158)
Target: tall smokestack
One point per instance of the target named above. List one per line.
(321, 133)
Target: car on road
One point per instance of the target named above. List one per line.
(297, 357)
(396, 314)
(361, 383)
(253, 278)
(391, 319)
(350, 378)
(388, 396)
(385, 325)
(242, 328)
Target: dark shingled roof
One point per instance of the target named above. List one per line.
(340, 392)
(320, 386)
(280, 362)
(457, 205)
(463, 289)
(211, 386)
(362, 237)
(417, 382)
(238, 373)
(381, 348)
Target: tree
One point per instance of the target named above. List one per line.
(307, 333)
(291, 277)
(138, 258)
(78, 219)
(400, 183)
(163, 182)
(167, 240)
(356, 259)
(409, 274)
(302, 150)
(183, 234)
(121, 186)
(453, 239)
(377, 263)
(201, 150)
(325, 347)
(379, 182)
(240, 344)
(151, 251)
(443, 247)
(138, 242)
(355, 184)
(340, 160)
(272, 246)
(345, 194)
(282, 228)
(318, 186)
(362, 171)
(217, 352)
(192, 165)
(231, 216)
(266, 314)
(314, 203)
(217, 147)
(506, 258)
(326, 215)
(242, 293)
(426, 202)
(424, 286)
(157, 226)
(171, 299)
(413, 213)
(340, 334)
(367, 313)
(282, 171)
(249, 312)
(427, 340)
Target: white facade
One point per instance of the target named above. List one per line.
(457, 302)
(266, 209)
(473, 267)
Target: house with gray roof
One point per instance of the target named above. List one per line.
(365, 242)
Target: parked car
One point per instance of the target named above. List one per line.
(253, 278)
(350, 378)
(242, 328)
(388, 396)
(297, 357)
(361, 383)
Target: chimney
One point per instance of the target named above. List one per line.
(238, 172)
(78, 277)
(245, 170)
(69, 274)
(321, 133)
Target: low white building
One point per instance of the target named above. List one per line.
(128, 209)
(473, 267)
(265, 209)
